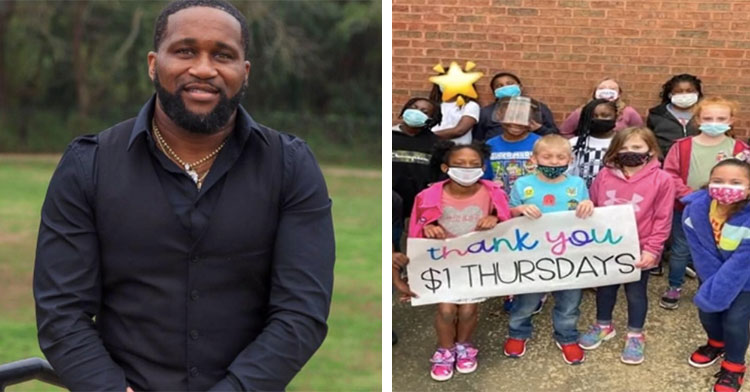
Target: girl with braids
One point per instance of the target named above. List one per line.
(411, 149)
(593, 134)
(442, 211)
(457, 121)
(672, 119)
(609, 89)
(717, 225)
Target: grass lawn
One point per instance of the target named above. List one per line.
(350, 358)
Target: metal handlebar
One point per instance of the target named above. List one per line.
(26, 370)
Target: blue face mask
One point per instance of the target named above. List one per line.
(508, 91)
(415, 118)
(714, 129)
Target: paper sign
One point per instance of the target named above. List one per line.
(555, 252)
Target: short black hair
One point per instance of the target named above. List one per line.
(437, 114)
(443, 149)
(500, 75)
(173, 7)
(666, 89)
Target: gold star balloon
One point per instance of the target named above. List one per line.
(456, 81)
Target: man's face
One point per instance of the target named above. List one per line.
(199, 71)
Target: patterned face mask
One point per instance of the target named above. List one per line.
(727, 194)
(631, 159)
(551, 172)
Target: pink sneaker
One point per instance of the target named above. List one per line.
(466, 357)
(442, 365)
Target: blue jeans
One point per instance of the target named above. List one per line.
(730, 327)
(679, 257)
(564, 316)
(635, 292)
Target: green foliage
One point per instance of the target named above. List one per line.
(71, 68)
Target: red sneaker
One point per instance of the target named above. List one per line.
(730, 377)
(515, 348)
(706, 355)
(572, 353)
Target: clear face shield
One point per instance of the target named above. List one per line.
(517, 110)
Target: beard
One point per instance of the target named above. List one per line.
(205, 124)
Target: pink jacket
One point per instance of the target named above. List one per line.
(428, 209)
(629, 118)
(677, 164)
(650, 191)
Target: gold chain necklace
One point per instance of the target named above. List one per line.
(189, 167)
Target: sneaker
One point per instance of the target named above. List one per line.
(508, 303)
(395, 338)
(515, 348)
(657, 271)
(690, 272)
(595, 336)
(540, 305)
(466, 357)
(671, 298)
(571, 353)
(442, 365)
(633, 352)
(706, 355)
(730, 377)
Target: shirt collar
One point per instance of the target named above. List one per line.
(244, 126)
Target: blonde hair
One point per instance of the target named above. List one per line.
(622, 136)
(619, 102)
(551, 140)
(733, 106)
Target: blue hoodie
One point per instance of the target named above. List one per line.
(724, 270)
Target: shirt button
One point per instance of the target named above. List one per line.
(194, 334)
(193, 371)
(194, 295)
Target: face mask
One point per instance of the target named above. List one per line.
(631, 159)
(684, 100)
(599, 127)
(714, 129)
(465, 176)
(551, 172)
(727, 194)
(415, 118)
(507, 91)
(607, 93)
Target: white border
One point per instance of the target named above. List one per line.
(385, 133)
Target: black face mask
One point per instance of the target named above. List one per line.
(205, 124)
(632, 159)
(599, 127)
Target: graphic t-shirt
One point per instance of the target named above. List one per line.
(460, 216)
(586, 164)
(452, 115)
(703, 158)
(509, 160)
(549, 197)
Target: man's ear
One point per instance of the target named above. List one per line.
(151, 58)
(248, 65)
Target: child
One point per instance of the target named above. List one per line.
(717, 225)
(549, 190)
(610, 90)
(411, 148)
(442, 211)
(504, 85)
(510, 152)
(592, 137)
(457, 122)
(632, 175)
(690, 161)
(671, 120)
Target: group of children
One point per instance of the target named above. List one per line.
(695, 198)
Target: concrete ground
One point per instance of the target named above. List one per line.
(671, 335)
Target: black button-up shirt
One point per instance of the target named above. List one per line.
(69, 271)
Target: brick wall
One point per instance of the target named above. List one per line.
(561, 48)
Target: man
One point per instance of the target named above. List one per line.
(188, 248)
